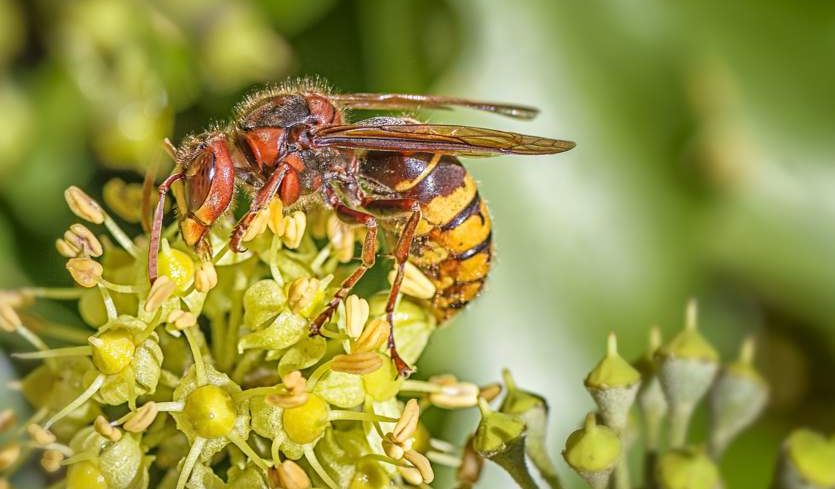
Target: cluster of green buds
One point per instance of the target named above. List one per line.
(208, 378)
(666, 384)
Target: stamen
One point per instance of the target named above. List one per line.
(444, 459)
(54, 293)
(310, 455)
(190, 461)
(72, 351)
(109, 305)
(77, 402)
(120, 236)
(419, 386)
(275, 247)
(248, 451)
(199, 366)
(341, 415)
(122, 289)
(31, 337)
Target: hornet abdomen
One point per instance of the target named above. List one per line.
(453, 242)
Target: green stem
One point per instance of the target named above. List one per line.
(56, 293)
(120, 236)
(680, 415)
(621, 476)
(512, 460)
(199, 366)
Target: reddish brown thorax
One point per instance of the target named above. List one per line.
(273, 124)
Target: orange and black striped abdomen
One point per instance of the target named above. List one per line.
(453, 242)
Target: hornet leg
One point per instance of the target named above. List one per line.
(262, 199)
(156, 225)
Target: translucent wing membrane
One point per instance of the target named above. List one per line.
(448, 139)
(393, 101)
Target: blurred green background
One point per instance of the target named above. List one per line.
(704, 164)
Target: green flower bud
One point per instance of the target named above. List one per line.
(122, 463)
(533, 411)
(736, 400)
(651, 400)
(286, 330)
(500, 438)
(687, 367)
(807, 461)
(261, 302)
(593, 452)
(686, 468)
(613, 385)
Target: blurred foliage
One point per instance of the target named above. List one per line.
(704, 164)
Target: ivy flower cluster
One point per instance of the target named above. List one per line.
(665, 385)
(209, 378)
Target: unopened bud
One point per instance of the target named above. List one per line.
(593, 451)
(613, 384)
(83, 206)
(162, 289)
(415, 283)
(85, 271)
(737, 399)
(359, 363)
(356, 315)
(651, 400)
(807, 461)
(294, 227)
(688, 365)
(83, 240)
(686, 468)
